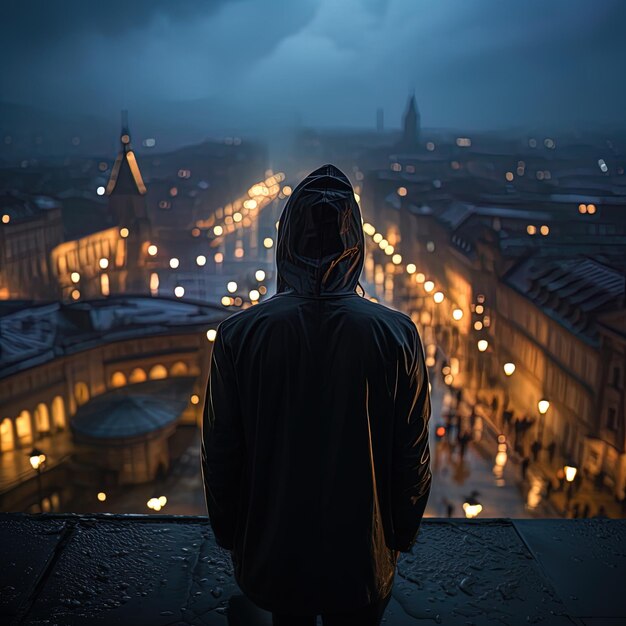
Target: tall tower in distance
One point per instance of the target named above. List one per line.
(410, 126)
(127, 203)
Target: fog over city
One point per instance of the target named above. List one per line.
(190, 67)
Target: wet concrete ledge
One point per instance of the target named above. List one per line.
(165, 570)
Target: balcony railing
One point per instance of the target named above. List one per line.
(159, 569)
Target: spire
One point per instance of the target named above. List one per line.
(125, 175)
(411, 125)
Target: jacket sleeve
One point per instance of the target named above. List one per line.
(222, 447)
(412, 476)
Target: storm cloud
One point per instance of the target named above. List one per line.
(474, 64)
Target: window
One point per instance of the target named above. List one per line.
(611, 418)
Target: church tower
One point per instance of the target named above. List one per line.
(410, 127)
(127, 203)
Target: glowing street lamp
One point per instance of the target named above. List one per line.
(457, 314)
(211, 334)
(483, 344)
(438, 297)
(472, 508)
(259, 275)
(570, 473)
(232, 286)
(509, 368)
(429, 285)
(37, 458)
(543, 406)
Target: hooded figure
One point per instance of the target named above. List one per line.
(315, 452)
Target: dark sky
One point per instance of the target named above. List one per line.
(241, 63)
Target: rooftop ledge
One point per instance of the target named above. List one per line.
(160, 569)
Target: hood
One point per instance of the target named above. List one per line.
(321, 246)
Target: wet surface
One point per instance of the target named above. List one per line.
(127, 569)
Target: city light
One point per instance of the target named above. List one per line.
(429, 285)
(545, 230)
(268, 242)
(570, 472)
(211, 334)
(37, 458)
(438, 297)
(420, 278)
(396, 259)
(254, 294)
(219, 257)
(100, 190)
(124, 232)
(478, 325)
(377, 237)
(102, 496)
(480, 309)
(152, 250)
(156, 504)
(509, 368)
(472, 509)
(226, 300)
(259, 275)
(103, 263)
(402, 191)
(201, 260)
(75, 277)
(410, 268)
(154, 284)
(179, 291)
(287, 190)
(6, 218)
(543, 406)
(483, 344)
(232, 286)
(218, 230)
(531, 230)
(195, 398)
(75, 294)
(457, 314)
(174, 263)
(388, 249)
(368, 229)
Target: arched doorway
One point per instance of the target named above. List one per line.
(58, 413)
(42, 419)
(81, 393)
(7, 442)
(158, 372)
(137, 376)
(23, 426)
(178, 369)
(118, 379)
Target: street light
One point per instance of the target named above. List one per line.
(457, 314)
(37, 459)
(543, 406)
(570, 473)
(483, 344)
(509, 368)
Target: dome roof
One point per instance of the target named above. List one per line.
(134, 410)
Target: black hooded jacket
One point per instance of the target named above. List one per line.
(315, 451)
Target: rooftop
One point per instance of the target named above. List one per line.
(158, 570)
(37, 333)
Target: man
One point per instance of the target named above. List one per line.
(315, 450)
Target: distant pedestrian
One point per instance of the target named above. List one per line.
(585, 511)
(549, 487)
(601, 511)
(525, 463)
(535, 448)
(551, 450)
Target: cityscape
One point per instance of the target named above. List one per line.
(507, 250)
(313, 313)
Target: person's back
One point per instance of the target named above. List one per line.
(315, 436)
